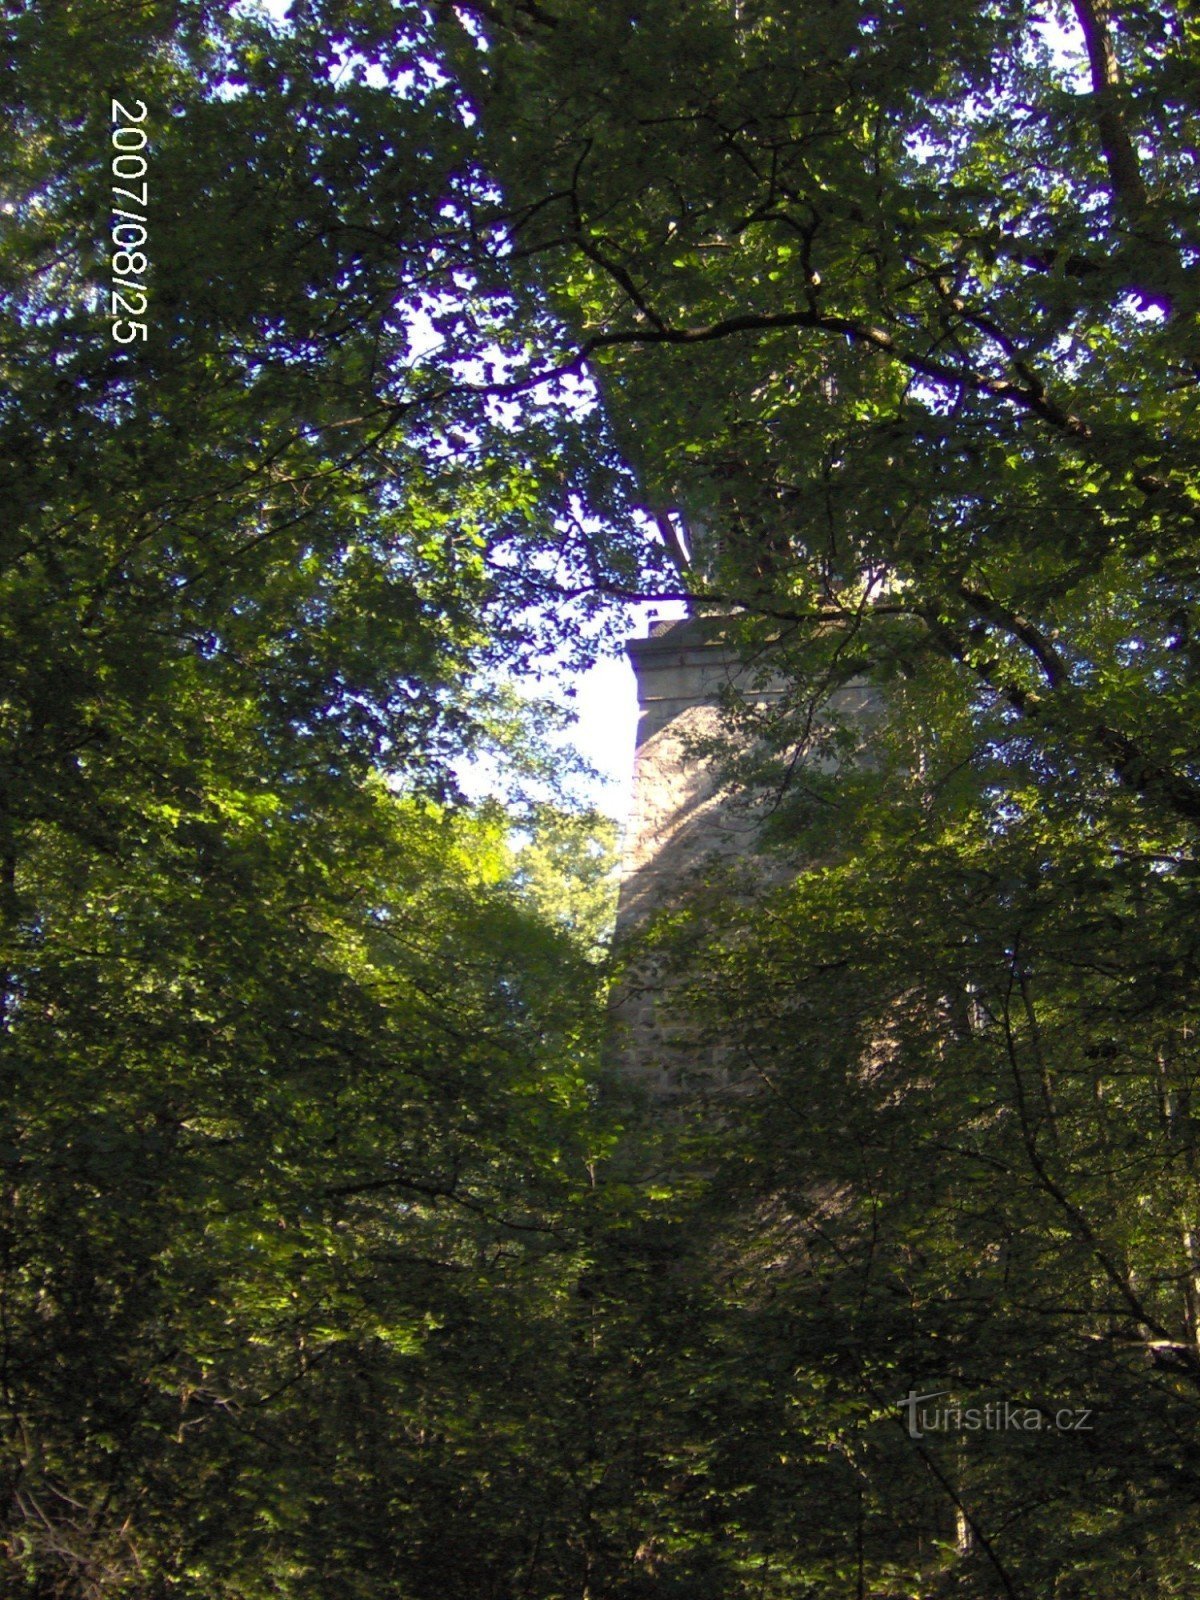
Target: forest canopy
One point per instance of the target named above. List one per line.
(334, 1261)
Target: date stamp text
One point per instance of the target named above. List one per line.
(129, 295)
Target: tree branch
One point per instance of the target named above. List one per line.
(1120, 156)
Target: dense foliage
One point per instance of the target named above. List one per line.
(324, 1268)
(894, 308)
(295, 1124)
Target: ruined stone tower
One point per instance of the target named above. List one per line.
(686, 825)
(683, 822)
(680, 816)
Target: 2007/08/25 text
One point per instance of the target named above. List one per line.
(129, 260)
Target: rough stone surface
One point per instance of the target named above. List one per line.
(682, 823)
(680, 815)
(681, 819)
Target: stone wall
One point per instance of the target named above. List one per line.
(683, 824)
(681, 821)
(680, 816)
